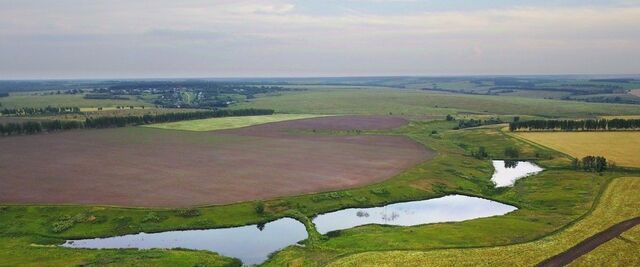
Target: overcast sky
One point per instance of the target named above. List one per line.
(254, 38)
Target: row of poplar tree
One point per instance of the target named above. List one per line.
(33, 127)
(576, 125)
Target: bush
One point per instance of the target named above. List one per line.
(330, 196)
(63, 224)
(187, 213)
(380, 191)
(234, 263)
(335, 233)
(481, 153)
(511, 152)
(259, 208)
(151, 217)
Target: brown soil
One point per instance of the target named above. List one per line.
(140, 166)
(590, 244)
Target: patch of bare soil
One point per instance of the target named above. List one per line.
(147, 167)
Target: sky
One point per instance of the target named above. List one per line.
(62, 39)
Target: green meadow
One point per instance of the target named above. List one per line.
(213, 124)
(418, 103)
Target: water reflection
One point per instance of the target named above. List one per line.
(508, 171)
(252, 243)
(510, 164)
(445, 209)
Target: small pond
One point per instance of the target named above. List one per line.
(508, 171)
(248, 243)
(452, 208)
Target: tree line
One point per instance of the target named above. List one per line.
(475, 123)
(592, 163)
(33, 127)
(27, 111)
(576, 125)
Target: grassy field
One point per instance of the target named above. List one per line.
(546, 203)
(618, 203)
(418, 103)
(228, 122)
(623, 148)
(27, 100)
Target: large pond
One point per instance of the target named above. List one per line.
(252, 244)
(508, 171)
(451, 208)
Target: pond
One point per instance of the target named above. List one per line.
(508, 171)
(452, 208)
(248, 243)
(253, 243)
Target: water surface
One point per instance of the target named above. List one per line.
(247, 243)
(452, 208)
(508, 171)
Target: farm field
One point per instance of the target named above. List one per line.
(108, 167)
(416, 103)
(560, 196)
(618, 203)
(622, 148)
(635, 92)
(213, 124)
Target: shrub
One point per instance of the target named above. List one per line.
(511, 152)
(259, 208)
(481, 153)
(380, 191)
(64, 223)
(67, 221)
(187, 213)
(335, 233)
(151, 217)
(330, 196)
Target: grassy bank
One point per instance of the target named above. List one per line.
(618, 203)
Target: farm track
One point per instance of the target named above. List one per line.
(590, 244)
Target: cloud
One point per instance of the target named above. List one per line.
(251, 37)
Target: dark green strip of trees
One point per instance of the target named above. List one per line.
(39, 111)
(576, 125)
(34, 127)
